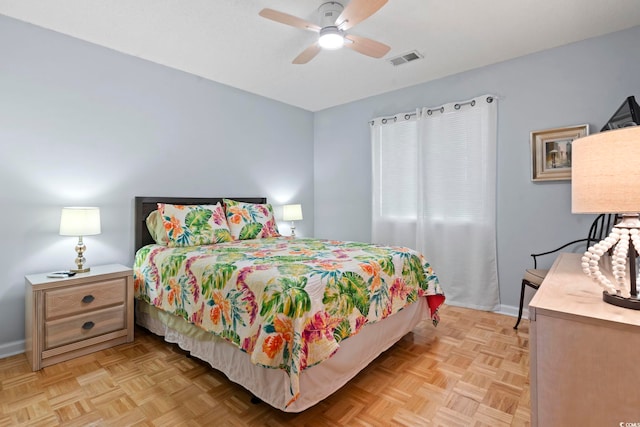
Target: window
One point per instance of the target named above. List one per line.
(434, 179)
(395, 155)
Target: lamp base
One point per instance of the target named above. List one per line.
(625, 241)
(631, 302)
(80, 248)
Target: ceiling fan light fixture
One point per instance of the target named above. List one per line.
(331, 38)
(334, 20)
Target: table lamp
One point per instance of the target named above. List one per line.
(292, 213)
(79, 222)
(605, 178)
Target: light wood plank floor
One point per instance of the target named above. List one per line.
(471, 370)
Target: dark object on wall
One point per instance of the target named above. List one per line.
(627, 115)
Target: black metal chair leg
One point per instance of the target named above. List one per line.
(521, 304)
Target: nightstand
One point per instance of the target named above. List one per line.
(71, 317)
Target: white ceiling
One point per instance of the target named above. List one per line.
(226, 41)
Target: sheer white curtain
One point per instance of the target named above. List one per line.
(434, 190)
(456, 223)
(394, 180)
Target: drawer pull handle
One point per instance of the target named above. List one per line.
(88, 325)
(87, 299)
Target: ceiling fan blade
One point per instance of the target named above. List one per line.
(308, 54)
(366, 46)
(357, 11)
(285, 18)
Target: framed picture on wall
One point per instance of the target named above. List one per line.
(551, 152)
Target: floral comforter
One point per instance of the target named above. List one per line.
(288, 303)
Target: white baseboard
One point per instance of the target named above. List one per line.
(11, 348)
(17, 347)
(512, 311)
(507, 310)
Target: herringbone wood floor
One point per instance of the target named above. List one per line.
(471, 370)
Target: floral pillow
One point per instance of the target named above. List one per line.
(193, 225)
(155, 225)
(250, 220)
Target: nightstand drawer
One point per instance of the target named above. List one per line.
(78, 299)
(81, 327)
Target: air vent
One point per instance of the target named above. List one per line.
(407, 57)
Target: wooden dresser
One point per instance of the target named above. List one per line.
(585, 353)
(71, 317)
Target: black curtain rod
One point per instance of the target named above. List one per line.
(407, 116)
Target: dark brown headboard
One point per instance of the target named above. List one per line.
(146, 205)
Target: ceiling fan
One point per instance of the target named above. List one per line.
(335, 21)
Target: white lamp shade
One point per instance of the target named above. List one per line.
(292, 212)
(605, 172)
(80, 221)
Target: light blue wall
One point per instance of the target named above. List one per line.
(85, 125)
(580, 83)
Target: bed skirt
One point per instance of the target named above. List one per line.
(272, 385)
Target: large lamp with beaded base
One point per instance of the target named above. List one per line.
(605, 178)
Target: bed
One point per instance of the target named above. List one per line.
(290, 320)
